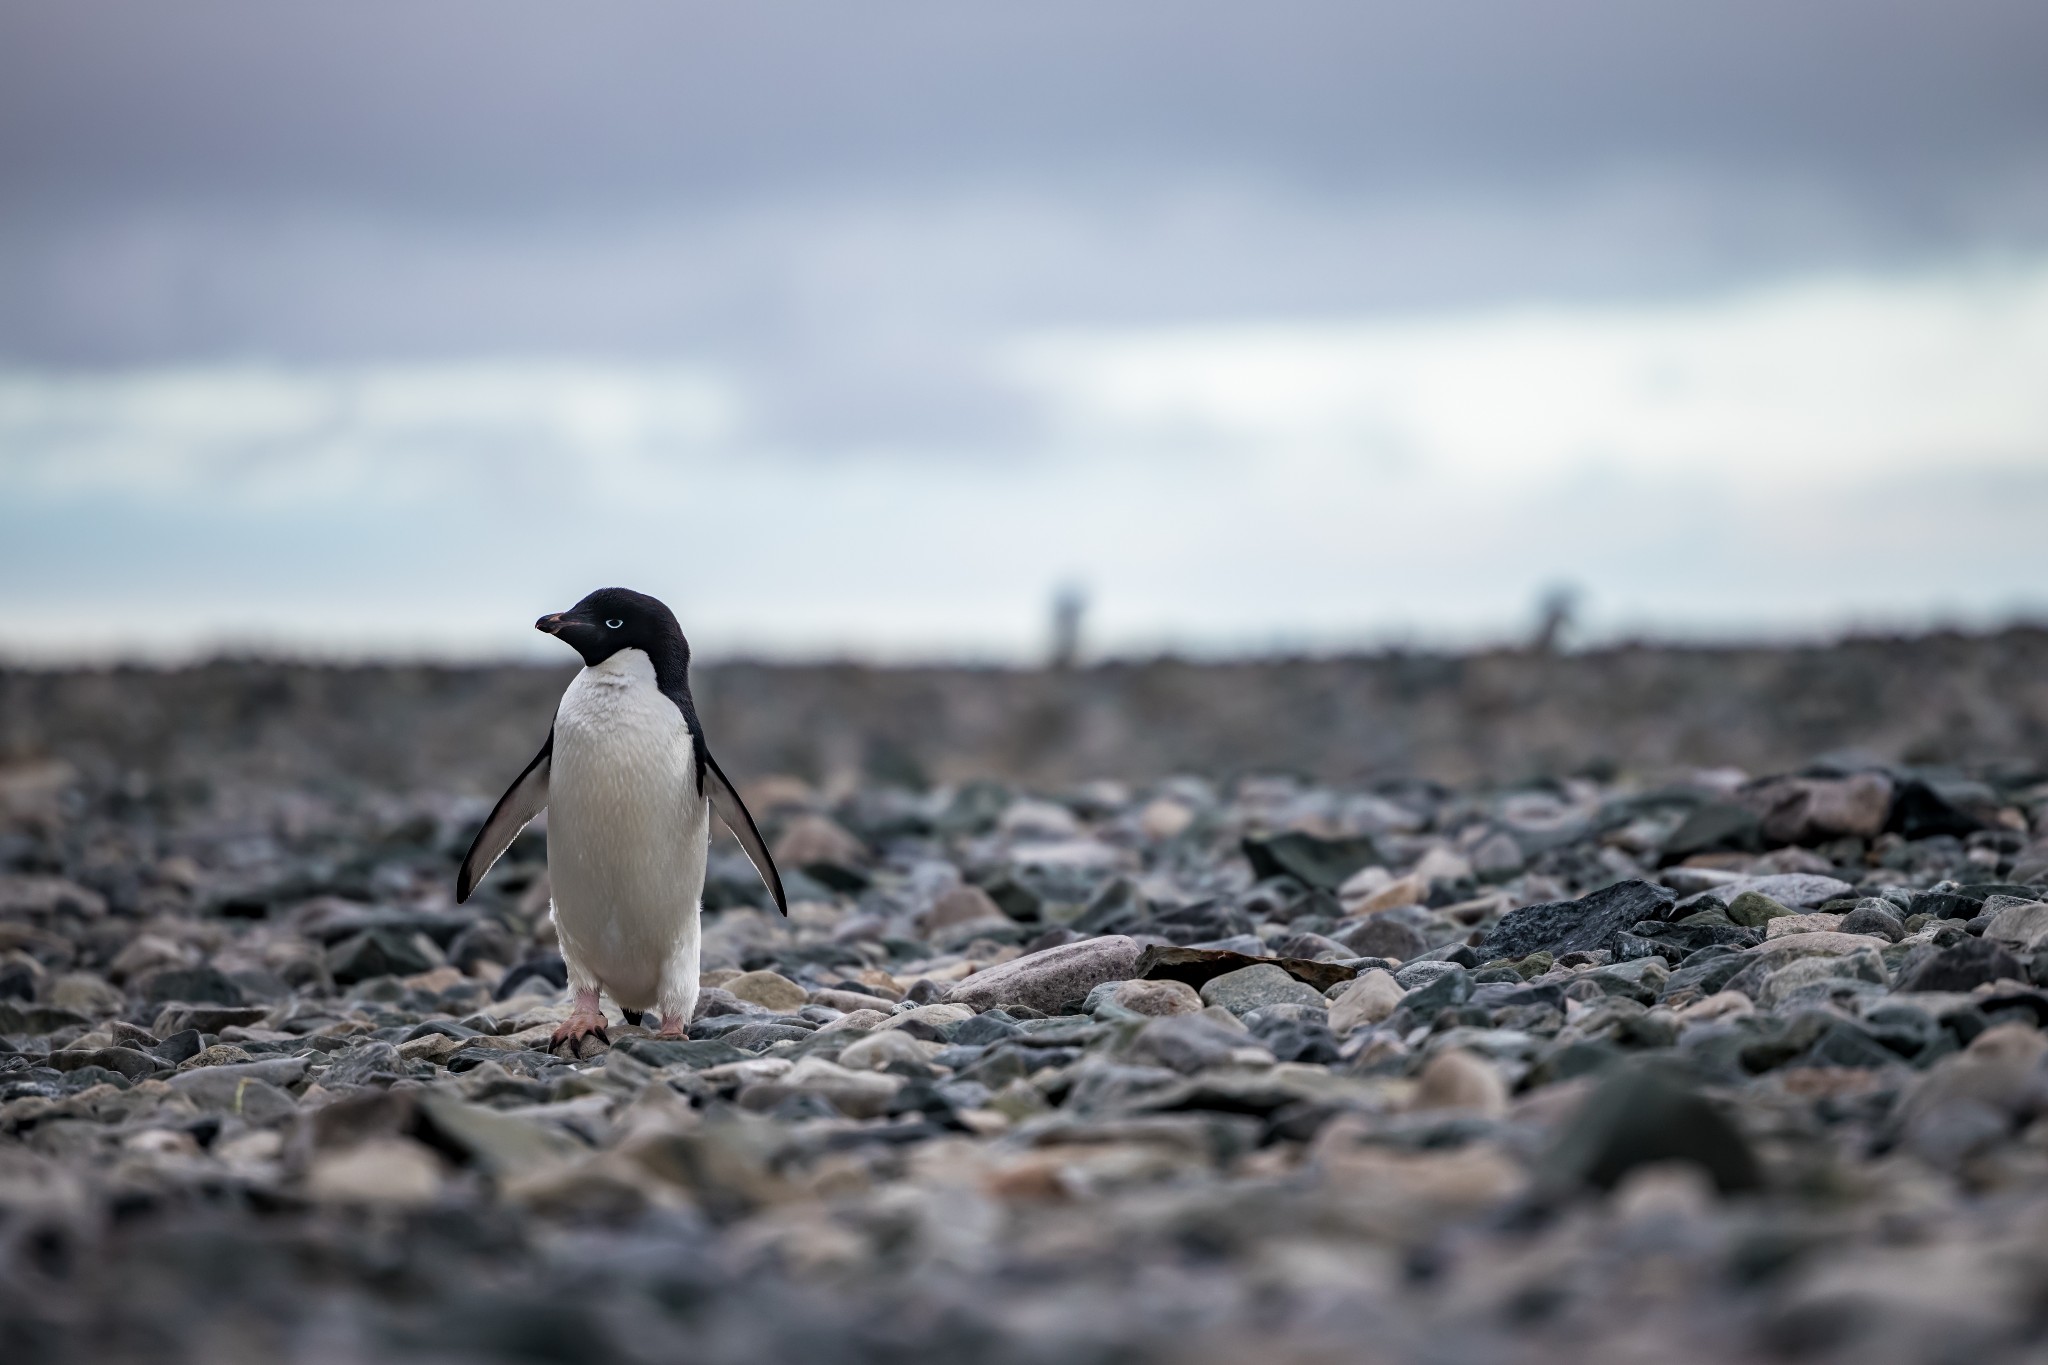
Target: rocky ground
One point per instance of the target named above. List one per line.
(1697, 1067)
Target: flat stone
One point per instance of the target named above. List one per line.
(1048, 981)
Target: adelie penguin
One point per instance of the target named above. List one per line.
(630, 788)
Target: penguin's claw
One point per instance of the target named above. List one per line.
(578, 1027)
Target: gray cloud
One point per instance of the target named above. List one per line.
(850, 208)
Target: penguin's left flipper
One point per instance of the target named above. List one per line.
(524, 799)
(734, 812)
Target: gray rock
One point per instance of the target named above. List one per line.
(1878, 917)
(133, 1063)
(693, 1053)
(1382, 935)
(199, 985)
(1319, 863)
(1186, 1043)
(252, 1091)
(206, 1018)
(1964, 967)
(1415, 975)
(1636, 1118)
(1798, 890)
(2018, 924)
(1442, 991)
(1497, 857)
(1257, 986)
(498, 1143)
(1051, 980)
(1585, 925)
(379, 952)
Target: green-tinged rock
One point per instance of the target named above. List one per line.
(1754, 910)
(1257, 986)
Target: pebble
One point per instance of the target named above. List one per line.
(1367, 999)
(1567, 1090)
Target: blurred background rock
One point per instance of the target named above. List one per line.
(1491, 716)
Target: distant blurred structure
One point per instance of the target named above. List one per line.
(1556, 609)
(1069, 605)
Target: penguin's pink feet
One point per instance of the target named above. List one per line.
(585, 1021)
(673, 1027)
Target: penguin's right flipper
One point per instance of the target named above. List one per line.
(740, 821)
(524, 799)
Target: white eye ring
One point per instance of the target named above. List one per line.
(613, 624)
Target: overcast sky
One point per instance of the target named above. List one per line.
(863, 326)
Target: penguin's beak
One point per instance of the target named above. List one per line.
(551, 624)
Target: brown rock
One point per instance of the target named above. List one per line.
(391, 1171)
(961, 905)
(1159, 997)
(1459, 1080)
(818, 839)
(1810, 810)
(1367, 1000)
(770, 990)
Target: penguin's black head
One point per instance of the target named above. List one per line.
(612, 619)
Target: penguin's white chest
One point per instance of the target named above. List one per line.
(627, 827)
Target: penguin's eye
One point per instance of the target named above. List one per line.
(613, 624)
